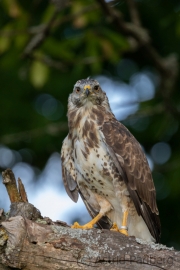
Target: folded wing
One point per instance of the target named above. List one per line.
(132, 164)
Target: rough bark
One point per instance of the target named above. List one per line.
(22, 191)
(36, 245)
(10, 183)
(30, 242)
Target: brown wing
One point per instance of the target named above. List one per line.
(132, 164)
(68, 171)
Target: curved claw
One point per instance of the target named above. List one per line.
(114, 227)
(76, 225)
(124, 231)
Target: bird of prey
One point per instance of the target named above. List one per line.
(105, 164)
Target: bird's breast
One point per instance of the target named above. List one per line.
(93, 163)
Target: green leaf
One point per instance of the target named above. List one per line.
(4, 44)
(116, 39)
(39, 74)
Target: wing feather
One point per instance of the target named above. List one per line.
(68, 170)
(132, 164)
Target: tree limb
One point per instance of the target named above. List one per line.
(30, 242)
(50, 129)
(40, 246)
(134, 12)
(167, 67)
(45, 30)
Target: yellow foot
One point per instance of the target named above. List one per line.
(114, 227)
(124, 231)
(84, 227)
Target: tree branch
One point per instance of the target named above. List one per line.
(30, 242)
(129, 29)
(140, 34)
(45, 30)
(51, 129)
(167, 67)
(41, 246)
(134, 12)
(37, 40)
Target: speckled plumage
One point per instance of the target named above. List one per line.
(104, 163)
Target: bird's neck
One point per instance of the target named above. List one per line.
(78, 117)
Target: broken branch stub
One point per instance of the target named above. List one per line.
(22, 191)
(10, 183)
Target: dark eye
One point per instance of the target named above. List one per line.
(96, 87)
(78, 89)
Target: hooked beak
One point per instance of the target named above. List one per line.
(87, 88)
(87, 92)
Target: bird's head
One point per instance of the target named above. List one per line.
(87, 92)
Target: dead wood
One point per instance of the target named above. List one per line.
(22, 191)
(10, 183)
(30, 242)
(34, 245)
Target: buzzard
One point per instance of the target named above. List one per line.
(105, 164)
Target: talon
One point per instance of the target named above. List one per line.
(124, 231)
(76, 226)
(114, 227)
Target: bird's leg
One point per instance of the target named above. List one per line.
(105, 207)
(88, 225)
(124, 228)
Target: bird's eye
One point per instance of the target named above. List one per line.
(78, 90)
(96, 87)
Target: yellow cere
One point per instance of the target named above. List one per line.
(87, 86)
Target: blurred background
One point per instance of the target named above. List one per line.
(132, 48)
